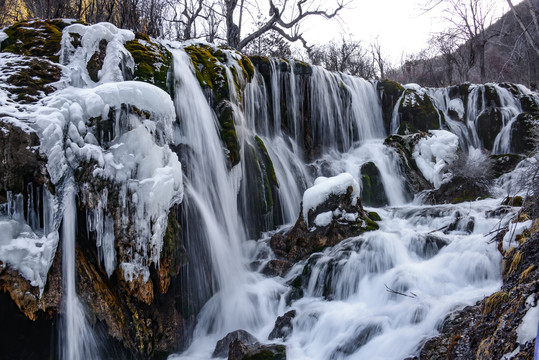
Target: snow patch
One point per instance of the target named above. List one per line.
(434, 153)
(323, 188)
(3, 36)
(529, 327)
(323, 219)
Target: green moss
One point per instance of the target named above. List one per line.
(152, 61)
(374, 216)
(228, 134)
(370, 225)
(297, 282)
(513, 201)
(418, 110)
(33, 79)
(268, 161)
(279, 353)
(34, 38)
(209, 70)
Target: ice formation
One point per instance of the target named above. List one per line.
(434, 153)
(134, 158)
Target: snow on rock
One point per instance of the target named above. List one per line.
(515, 229)
(3, 36)
(433, 154)
(133, 158)
(528, 328)
(323, 188)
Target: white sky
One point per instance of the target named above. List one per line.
(400, 25)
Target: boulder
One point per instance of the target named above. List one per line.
(417, 113)
(457, 190)
(488, 125)
(372, 188)
(241, 336)
(404, 146)
(283, 326)
(276, 267)
(240, 351)
(331, 212)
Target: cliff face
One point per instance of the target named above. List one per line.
(96, 108)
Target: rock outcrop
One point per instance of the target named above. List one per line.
(339, 215)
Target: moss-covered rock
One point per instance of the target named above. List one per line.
(418, 110)
(211, 64)
(458, 189)
(372, 188)
(228, 132)
(152, 61)
(35, 38)
(390, 93)
(524, 133)
(488, 125)
(261, 210)
(29, 78)
(404, 145)
(502, 164)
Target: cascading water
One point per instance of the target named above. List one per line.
(77, 339)
(212, 190)
(375, 296)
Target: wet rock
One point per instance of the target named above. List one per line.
(283, 326)
(428, 245)
(361, 336)
(404, 145)
(389, 93)
(417, 111)
(22, 163)
(457, 190)
(502, 164)
(241, 336)
(372, 188)
(276, 267)
(489, 123)
(95, 63)
(240, 351)
(524, 133)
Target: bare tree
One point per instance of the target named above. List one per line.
(533, 41)
(284, 19)
(347, 56)
(470, 19)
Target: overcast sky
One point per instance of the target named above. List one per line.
(402, 26)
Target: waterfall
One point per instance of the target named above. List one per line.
(77, 339)
(211, 192)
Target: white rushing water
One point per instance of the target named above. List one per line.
(77, 340)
